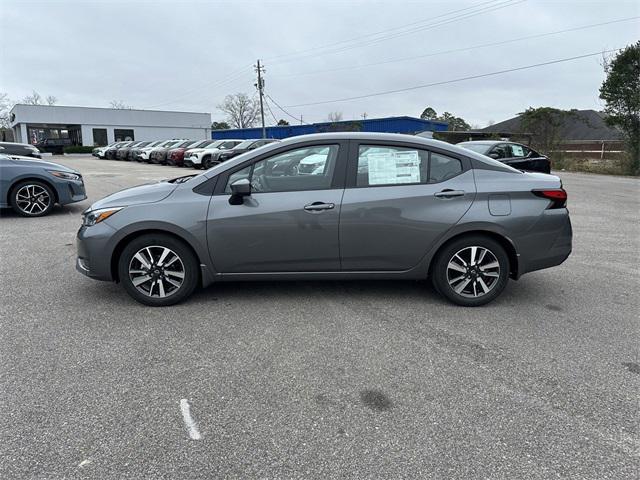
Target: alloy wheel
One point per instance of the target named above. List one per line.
(33, 199)
(473, 271)
(156, 271)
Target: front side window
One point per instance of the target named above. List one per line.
(379, 165)
(307, 168)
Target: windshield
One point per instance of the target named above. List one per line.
(201, 144)
(245, 144)
(476, 147)
(216, 144)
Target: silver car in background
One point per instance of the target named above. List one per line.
(332, 206)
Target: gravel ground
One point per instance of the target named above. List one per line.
(322, 380)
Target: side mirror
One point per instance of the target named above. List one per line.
(241, 188)
(494, 155)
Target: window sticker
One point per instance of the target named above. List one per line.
(393, 167)
(517, 151)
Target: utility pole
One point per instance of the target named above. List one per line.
(364, 116)
(260, 86)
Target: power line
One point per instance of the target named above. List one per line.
(426, 27)
(455, 50)
(472, 77)
(477, 9)
(275, 120)
(292, 116)
(380, 32)
(372, 42)
(230, 78)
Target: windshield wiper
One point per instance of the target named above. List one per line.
(182, 179)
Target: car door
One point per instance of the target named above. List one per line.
(523, 158)
(400, 199)
(289, 222)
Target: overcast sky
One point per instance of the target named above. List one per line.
(187, 55)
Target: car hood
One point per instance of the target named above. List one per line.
(33, 162)
(149, 193)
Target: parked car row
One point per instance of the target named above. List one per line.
(179, 152)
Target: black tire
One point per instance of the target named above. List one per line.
(32, 198)
(206, 162)
(155, 242)
(447, 280)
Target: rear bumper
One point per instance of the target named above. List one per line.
(551, 247)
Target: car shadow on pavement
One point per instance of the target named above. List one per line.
(71, 209)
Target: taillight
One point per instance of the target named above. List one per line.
(558, 196)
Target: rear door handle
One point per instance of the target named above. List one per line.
(449, 193)
(319, 206)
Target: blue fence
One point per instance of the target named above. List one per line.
(408, 125)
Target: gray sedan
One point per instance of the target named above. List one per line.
(32, 187)
(332, 206)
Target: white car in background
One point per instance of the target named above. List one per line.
(143, 156)
(206, 157)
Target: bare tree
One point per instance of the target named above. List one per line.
(242, 111)
(334, 116)
(5, 108)
(36, 99)
(120, 105)
(33, 99)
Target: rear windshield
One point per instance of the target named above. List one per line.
(476, 147)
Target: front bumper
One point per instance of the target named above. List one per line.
(94, 251)
(192, 161)
(70, 191)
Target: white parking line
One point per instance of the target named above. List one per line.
(192, 427)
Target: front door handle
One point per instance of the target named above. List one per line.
(319, 206)
(449, 193)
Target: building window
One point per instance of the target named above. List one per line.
(121, 135)
(99, 137)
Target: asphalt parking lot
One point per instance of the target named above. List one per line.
(321, 380)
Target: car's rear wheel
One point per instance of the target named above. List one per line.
(158, 270)
(32, 198)
(471, 271)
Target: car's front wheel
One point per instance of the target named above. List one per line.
(32, 198)
(471, 271)
(158, 270)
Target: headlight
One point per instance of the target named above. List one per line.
(96, 216)
(65, 175)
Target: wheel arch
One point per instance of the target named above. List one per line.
(502, 239)
(33, 178)
(124, 241)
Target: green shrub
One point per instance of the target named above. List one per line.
(78, 149)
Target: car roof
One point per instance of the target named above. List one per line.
(483, 142)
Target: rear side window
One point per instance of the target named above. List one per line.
(443, 168)
(380, 165)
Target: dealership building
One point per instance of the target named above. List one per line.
(58, 126)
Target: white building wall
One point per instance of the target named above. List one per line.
(147, 133)
(146, 124)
